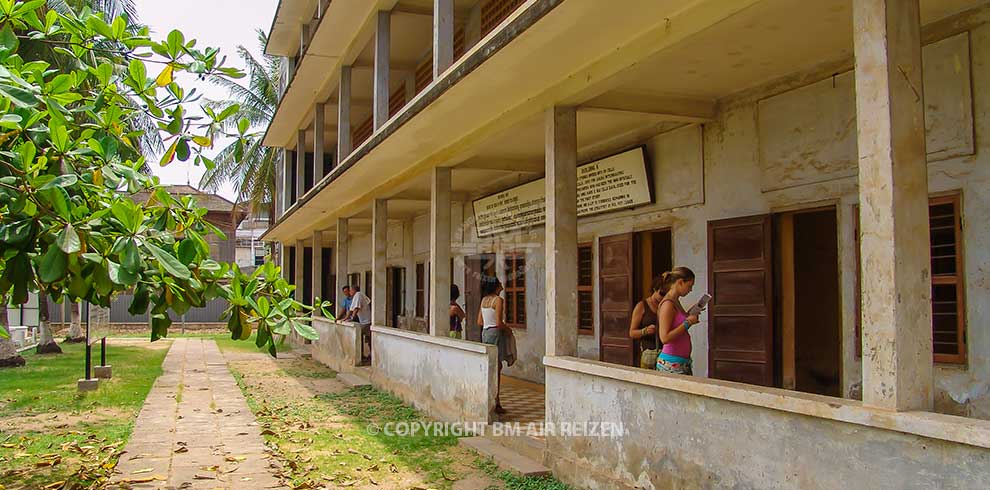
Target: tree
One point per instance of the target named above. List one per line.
(67, 228)
(8, 352)
(248, 163)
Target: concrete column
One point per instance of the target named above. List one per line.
(284, 265)
(300, 164)
(299, 270)
(443, 36)
(287, 183)
(893, 190)
(409, 259)
(379, 274)
(317, 273)
(410, 87)
(344, 115)
(340, 260)
(439, 290)
(277, 196)
(319, 141)
(561, 231)
(381, 68)
(321, 8)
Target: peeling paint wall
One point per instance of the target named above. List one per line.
(339, 345)
(681, 440)
(452, 380)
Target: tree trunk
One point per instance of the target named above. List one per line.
(75, 328)
(47, 344)
(8, 353)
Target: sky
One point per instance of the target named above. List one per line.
(223, 24)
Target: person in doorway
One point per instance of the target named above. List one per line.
(361, 313)
(675, 323)
(345, 306)
(491, 316)
(457, 314)
(643, 325)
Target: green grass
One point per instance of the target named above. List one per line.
(48, 382)
(82, 434)
(515, 481)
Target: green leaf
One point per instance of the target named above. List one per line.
(64, 180)
(159, 326)
(15, 233)
(138, 72)
(139, 306)
(120, 275)
(8, 41)
(52, 265)
(131, 257)
(68, 240)
(243, 125)
(188, 251)
(169, 262)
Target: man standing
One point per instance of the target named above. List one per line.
(345, 306)
(361, 312)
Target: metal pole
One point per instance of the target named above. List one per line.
(89, 349)
(103, 351)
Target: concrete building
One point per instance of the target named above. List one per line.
(822, 166)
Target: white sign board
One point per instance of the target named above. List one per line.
(609, 184)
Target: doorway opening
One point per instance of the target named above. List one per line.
(807, 315)
(477, 268)
(395, 305)
(628, 264)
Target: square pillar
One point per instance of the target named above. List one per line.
(319, 141)
(893, 190)
(317, 273)
(439, 286)
(276, 208)
(379, 247)
(443, 36)
(300, 164)
(284, 265)
(381, 94)
(299, 270)
(340, 259)
(344, 115)
(287, 183)
(561, 232)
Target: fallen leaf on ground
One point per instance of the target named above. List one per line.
(142, 470)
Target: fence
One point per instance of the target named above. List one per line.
(207, 314)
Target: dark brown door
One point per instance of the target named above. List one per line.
(476, 267)
(740, 320)
(616, 295)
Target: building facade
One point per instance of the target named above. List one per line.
(821, 166)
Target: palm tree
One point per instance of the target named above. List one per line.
(254, 172)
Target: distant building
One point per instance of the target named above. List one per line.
(250, 250)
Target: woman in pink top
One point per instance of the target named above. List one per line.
(675, 357)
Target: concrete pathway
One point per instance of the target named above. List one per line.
(195, 430)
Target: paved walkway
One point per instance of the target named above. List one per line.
(195, 430)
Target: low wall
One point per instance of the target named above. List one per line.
(449, 379)
(339, 346)
(684, 432)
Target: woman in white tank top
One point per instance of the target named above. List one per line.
(491, 316)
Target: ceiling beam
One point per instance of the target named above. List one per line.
(424, 11)
(502, 165)
(672, 108)
(392, 66)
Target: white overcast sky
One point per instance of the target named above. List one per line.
(223, 24)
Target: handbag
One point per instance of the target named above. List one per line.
(648, 359)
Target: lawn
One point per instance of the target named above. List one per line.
(323, 432)
(50, 433)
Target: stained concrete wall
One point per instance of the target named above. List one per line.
(339, 345)
(681, 440)
(449, 379)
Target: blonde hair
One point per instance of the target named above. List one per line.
(669, 278)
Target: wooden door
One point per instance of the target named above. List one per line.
(615, 275)
(740, 319)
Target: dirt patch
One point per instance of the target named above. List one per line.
(14, 424)
(298, 377)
